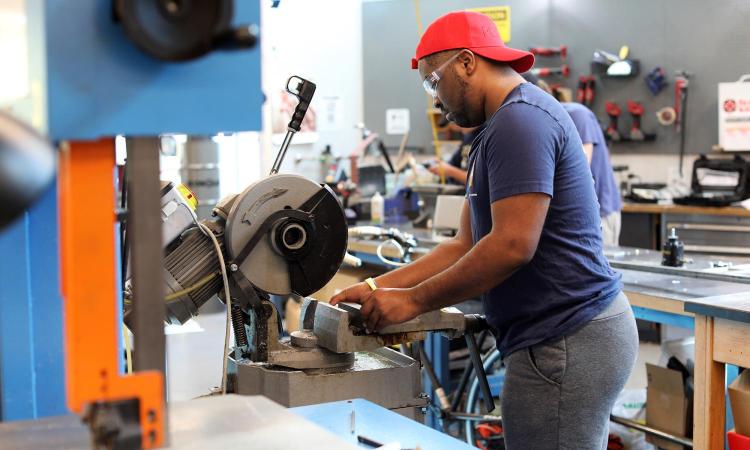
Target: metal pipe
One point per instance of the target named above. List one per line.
(652, 431)
(439, 391)
(282, 152)
(469, 417)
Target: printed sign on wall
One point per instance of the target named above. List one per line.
(734, 115)
(501, 16)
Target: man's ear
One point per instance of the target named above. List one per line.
(469, 62)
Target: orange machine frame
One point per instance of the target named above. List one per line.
(87, 241)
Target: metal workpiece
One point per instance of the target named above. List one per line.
(304, 339)
(307, 314)
(340, 328)
(335, 333)
(371, 377)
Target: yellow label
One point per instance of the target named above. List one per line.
(188, 195)
(501, 16)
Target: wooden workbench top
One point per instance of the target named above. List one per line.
(732, 306)
(651, 208)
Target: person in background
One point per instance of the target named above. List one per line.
(457, 167)
(597, 154)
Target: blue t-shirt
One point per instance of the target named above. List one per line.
(531, 145)
(601, 168)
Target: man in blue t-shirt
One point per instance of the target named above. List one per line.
(597, 153)
(529, 243)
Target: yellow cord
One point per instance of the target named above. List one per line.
(430, 106)
(199, 284)
(128, 352)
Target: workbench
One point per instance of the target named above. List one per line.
(722, 334)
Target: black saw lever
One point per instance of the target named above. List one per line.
(304, 91)
(475, 323)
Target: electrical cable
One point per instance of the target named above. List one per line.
(207, 231)
(198, 284)
(390, 261)
(128, 351)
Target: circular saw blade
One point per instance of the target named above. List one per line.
(264, 266)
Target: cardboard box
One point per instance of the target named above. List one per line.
(667, 407)
(739, 398)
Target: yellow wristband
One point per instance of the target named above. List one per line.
(370, 282)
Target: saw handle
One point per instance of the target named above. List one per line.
(304, 91)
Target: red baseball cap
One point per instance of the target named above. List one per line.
(473, 31)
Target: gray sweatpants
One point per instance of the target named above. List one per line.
(559, 394)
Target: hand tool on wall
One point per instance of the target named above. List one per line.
(561, 51)
(586, 90)
(606, 63)
(581, 89)
(590, 91)
(656, 80)
(563, 70)
(636, 112)
(680, 93)
(613, 111)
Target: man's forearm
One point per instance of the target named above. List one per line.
(440, 258)
(486, 265)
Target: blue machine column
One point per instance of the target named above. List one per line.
(31, 339)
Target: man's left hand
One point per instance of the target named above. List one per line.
(385, 307)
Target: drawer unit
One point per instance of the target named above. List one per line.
(709, 234)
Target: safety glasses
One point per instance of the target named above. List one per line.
(431, 81)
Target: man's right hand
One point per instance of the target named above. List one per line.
(355, 293)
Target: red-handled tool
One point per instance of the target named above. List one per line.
(563, 70)
(590, 91)
(586, 90)
(681, 83)
(561, 51)
(581, 90)
(636, 111)
(613, 111)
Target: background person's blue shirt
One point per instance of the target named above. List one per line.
(531, 145)
(601, 168)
